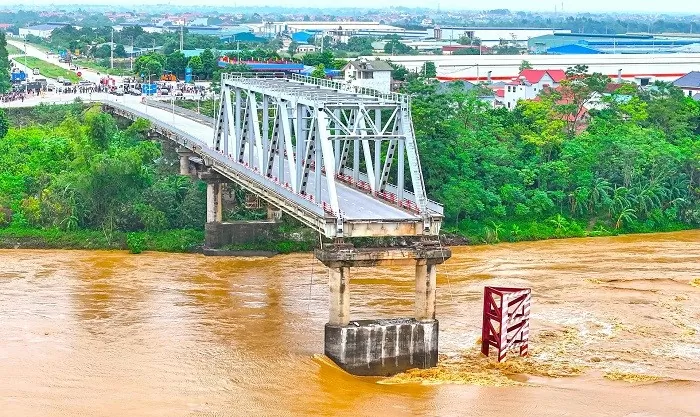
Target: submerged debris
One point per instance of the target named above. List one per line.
(630, 377)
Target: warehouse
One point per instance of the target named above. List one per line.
(491, 36)
(504, 67)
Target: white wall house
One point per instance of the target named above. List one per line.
(365, 73)
(529, 84)
(689, 83)
(302, 49)
(42, 31)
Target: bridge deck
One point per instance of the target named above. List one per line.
(354, 204)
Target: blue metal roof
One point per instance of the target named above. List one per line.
(573, 49)
(302, 37)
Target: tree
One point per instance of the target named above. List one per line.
(4, 65)
(467, 51)
(4, 124)
(292, 48)
(119, 51)
(196, 64)
(102, 52)
(399, 72)
(428, 70)
(319, 71)
(525, 65)
(176, 62)
(396, 47)
(208, 63)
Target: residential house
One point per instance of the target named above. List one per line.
(529, 84)
(306, 48)
(369, 74)
(689, 83)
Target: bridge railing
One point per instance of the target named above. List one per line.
(321, 82)
(193, 115)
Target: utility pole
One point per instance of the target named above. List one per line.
(111, 51)
(182, 35)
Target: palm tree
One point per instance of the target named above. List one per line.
(625, 216)
(599, 194)
(559, 222)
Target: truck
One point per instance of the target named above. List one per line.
(18, 76)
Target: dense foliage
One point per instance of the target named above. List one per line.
(4, 65)
(78, 171)
(633, 165)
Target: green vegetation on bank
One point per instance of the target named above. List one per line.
(49, 70)
(78, 180)
(551, 168)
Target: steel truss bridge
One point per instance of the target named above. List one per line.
(322, 151)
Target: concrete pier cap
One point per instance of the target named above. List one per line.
(382, 347)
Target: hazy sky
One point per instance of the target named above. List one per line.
(667, 6)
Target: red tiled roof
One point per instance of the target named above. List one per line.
(534, 76)
(500, 93)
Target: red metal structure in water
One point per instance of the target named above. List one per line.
(506, 321)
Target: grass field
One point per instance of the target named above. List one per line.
(13, 50)
(104, 70)
(48, 69)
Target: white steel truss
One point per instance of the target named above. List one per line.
(328, 144)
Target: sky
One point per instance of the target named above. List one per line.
(667, 6)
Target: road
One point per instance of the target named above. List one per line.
(86, 74)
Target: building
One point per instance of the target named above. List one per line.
(689, 83)
(491, 36)
(339, 31)
(369, 74)
(475, 68)
(591, 43)
(42, 31)
(306, 48)
(529, 84)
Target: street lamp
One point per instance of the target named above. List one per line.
(26, 68)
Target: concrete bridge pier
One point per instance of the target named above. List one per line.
(273, 213)
(382, 347)
(184, 155)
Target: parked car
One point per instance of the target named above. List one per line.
(135, 92)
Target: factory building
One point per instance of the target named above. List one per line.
(575, 43)
(491, 36)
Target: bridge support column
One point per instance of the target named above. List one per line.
(214, 211)
(382, 346)
(339, 283)
(184, 155)
(273, 213)
(426, 281)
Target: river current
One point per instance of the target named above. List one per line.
(615, 332)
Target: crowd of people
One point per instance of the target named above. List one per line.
(12, 96)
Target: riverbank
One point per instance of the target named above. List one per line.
(185, 240)
(295, 239)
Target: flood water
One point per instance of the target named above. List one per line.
(98, 333)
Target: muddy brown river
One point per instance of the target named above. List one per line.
(615, 332)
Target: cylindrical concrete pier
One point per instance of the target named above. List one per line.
(339, 283)
(219, 205)
(211, 202)
(426, 280)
